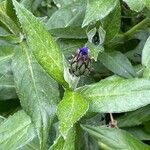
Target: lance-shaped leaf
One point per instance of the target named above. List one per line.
(16, 131)
(97, 10)
(139, 132)
(37, 91)
(135, 118)
(117, 63)
(42, 44)
(70, 110)
(115, 138)
(116, 94)
(73, 15)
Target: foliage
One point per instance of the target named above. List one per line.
(43, 106)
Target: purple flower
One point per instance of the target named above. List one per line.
(84, 51)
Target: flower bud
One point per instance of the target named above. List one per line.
(81, 63)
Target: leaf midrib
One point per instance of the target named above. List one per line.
(34, 84)
(40, 40)
(115, 94)
(5, 58)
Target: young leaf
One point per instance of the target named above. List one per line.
(7, 21)
(117, 95)
(97, 10)
(115, 138)
(16, 131)
(42, 44)
(70, 110)
(117, 63)
(38, 92)
(135, 118)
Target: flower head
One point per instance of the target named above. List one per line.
(81, 63)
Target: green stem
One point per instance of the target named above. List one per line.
(137, 27)
(127, 35)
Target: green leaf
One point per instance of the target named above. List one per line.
(112, 23)
(97, 10)
(70, 46)
(115, 138)
(70, 110)
(117, 63)
(73, 15)
(2, 119)
(7, 88)
(146, 59)
(69, 33)
(67, 144)
(71, 80)
(146, 54)
(42, 44)
(6, 53)
(117, 95)
(62, 3)
(7, 21)
(11, 38)
(147, 3)
(38, 92)
(16, 131)
(32, 145)
(136, 5)
(139, 132)
(94, 50)
(27, 4)
(96, 36)
(58, 144)
(135, 118)
(10, 11)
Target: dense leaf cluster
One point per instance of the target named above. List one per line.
(43, 106)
